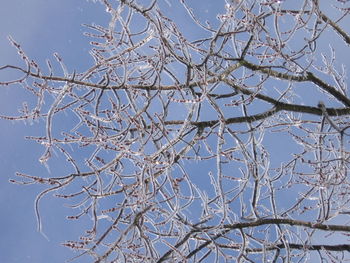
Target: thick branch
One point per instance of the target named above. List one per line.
(266, 114)
(309, 77)
(269, 247)
(269, 221)
(336, 28)
(291, 222)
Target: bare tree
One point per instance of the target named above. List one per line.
(225, 144)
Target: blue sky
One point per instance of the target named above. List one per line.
(43, 27)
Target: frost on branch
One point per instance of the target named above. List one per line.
(201, 141)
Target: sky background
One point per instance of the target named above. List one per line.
(43, 27)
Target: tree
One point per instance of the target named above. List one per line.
(224, 141)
